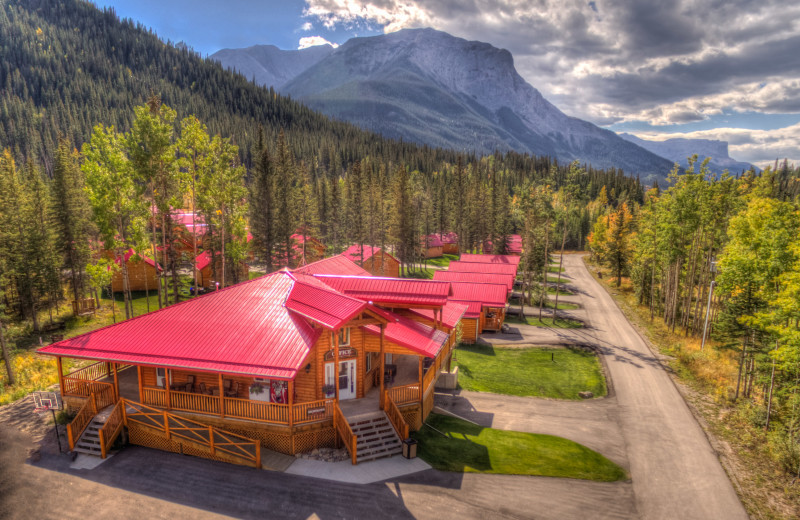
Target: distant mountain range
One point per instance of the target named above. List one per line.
(427, 86)
(678, 150)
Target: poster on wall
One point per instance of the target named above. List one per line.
(278, 392)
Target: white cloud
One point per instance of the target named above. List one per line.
(665, 62)
(307, 26)
(311, 41)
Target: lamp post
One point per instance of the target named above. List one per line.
(713, 270)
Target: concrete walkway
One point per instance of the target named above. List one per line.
(364, 473)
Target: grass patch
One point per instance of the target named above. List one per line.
(442, 261)
(546, 321)
(424, 274)
(561, 292)
(475, 449)
(535, 371)
(554, 269)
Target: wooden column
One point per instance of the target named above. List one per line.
(291, 406)
(116, 383)
(383, 367)
(166, 387)
(60, 375)
(336, 362)
(421, 390)
(140, 376)
(221, 397)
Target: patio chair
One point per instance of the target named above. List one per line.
(204, 390)
(189, 383)
(227, 387)
(234, 390)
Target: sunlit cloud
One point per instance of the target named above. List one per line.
(311, 41)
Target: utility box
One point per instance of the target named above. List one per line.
(410, 448)
(448, 380)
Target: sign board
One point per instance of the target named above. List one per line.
(44, 401)
(344, 352)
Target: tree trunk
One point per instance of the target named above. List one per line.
(560, 264)
(741, 366)
(6, 356)
(771, 386)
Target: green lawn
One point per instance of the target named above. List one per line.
(554, 269)
(549, 304)
(558, 373)
(442, 261)
(425, 274)
(475, 449)
(558, 323)
(561, 292)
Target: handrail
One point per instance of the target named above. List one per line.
(81, 421)
(111, 429)
(91, 372)
(82, 387)
(104, 396)
(342, 427)
(395, 417)
(274, 413)
(405, 394)
(175, 426)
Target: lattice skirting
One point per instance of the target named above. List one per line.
(282, 443)
(412, 417)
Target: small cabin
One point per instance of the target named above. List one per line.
(142, 272)
(205, 274)
(307, 249)
(432, 246)
(450, 243)
(374, 259)
(492, 300)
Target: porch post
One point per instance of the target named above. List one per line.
(60, 375)
(421, 390)
(221, 397)
(139, 376)
(166, 387)
(383, 367)
(116, 383)
(336, 362)
(291, 406)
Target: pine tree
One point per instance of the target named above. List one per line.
(261, 204)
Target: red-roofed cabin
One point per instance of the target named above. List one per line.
(205, 274)
(432, 246)
(306, 250)
(283, 361)
(488, 300)
(333, 265)
(450, 243)
(480, 267)
(491, 259)
(142, 272)
(376, 260)
(455, 276)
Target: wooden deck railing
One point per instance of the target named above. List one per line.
(112, 428)
(274, 413)
(104, 396)
(343, 430)
(427, 404)
(235, 408)
(404, 394)
(214, 439)
(91, 372)
(82, 387)
(313, 411)
(81, 421)
(396, 418)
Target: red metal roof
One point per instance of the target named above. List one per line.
(450, 238)
(490, 259)
(401, 291)
(130, 252)
(203, 260)
(478, 267)
(432, 241)
(456, 276)
(318, 302)
(452, 313)
(415, 336)
(242, 329)
(489, 294)
(473, 309)
(338, 264)
(354, 253)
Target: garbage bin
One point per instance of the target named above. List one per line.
(410, 448)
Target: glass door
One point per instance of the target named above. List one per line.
(347, 379)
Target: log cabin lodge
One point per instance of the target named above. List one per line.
(325, 355)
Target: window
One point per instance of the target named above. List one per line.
(344, 337)
(368, 362)
(161, 375)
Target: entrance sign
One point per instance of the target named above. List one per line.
(345, 352)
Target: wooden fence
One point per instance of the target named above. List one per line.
(405, 394)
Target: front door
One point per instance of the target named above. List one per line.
(347, 379)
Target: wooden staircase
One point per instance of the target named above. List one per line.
(89, 441)
(377, 437)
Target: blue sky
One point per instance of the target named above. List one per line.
(656, 68)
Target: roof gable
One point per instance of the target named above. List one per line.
(456, 276)
(479, 267)
(400, 291)
(338, 264)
